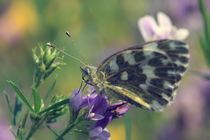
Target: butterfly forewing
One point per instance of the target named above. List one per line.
(146, 75)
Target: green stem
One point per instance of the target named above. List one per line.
(9, 106)
(25, 119)
(30, 134)
(69, 128)
(25, 116)
(35, 127)
(52, 130)
(205, 19)
(65, 131)
(12, 131)
(128, 126)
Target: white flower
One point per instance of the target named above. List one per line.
(162, 29)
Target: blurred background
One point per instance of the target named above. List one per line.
(99, 28)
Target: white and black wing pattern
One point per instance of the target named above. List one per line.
(146, 75)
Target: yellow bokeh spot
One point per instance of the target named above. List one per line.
(19, 20)
(21, 17)
(117, 131)
(24, 15)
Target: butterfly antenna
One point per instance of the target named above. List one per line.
(65, 53)
(68, 34)
(80, 87)
(84, 86)
(72, 40)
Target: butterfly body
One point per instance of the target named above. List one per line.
(145, 75)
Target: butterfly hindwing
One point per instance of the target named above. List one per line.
(146, 75)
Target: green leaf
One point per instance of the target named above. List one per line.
(37, 100)
(56, 119)
(20, 95)
(17, 111)
(9, 106)
(49, 91)
(63, 102)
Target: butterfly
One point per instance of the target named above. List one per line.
(146, 75)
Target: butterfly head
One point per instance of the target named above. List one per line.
(90, 76)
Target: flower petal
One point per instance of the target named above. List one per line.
(104, 122)
(148, 27)
(164, 21)
(100, 104)
(97, 107)
(99, 133)
(182, 34)
(105, 135)
(95, 131)
(75, 100)
(116, 105)
(95, 117)
(88, 99)
(120, 111)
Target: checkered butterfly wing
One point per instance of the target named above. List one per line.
(146, 75)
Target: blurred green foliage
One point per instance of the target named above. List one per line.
(98, 28)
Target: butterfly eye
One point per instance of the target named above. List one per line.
(84, 71)
(85, 75)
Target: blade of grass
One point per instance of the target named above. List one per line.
(128, 126)
(17, 110)
(20, 94)
(24, 119)
(205, 20)
(8, 102)
(9, 106)
(37, 100)
(49, 91)
(25, 116)
(205, 50)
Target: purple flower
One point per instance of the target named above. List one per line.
(75, 101)
(162, 29)
(99, 133)
(104, 114)
(5, 133)
(118, 109)
(114, 111)
(99, 110)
